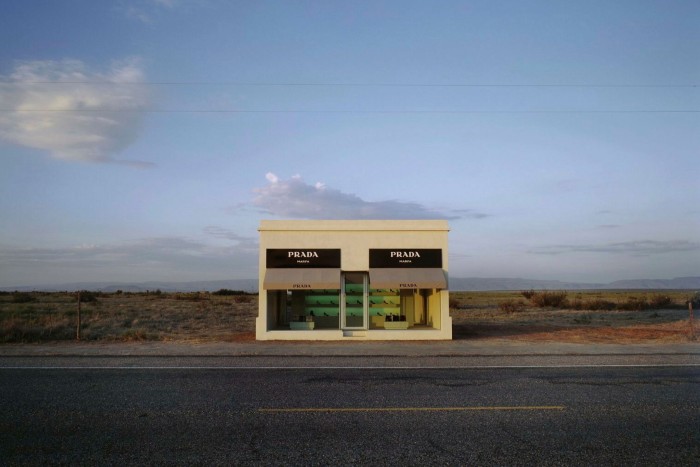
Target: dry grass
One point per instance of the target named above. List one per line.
(196, 317)
(482, 315)
(204, 317)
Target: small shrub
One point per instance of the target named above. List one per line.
(22, 297)
(633, 304)
(528, 294)
(87, 297)
(242, 299)
(549, 299)
(454, 304)
(600, 305)
(660, 301)
(229, 292)
(512, 306)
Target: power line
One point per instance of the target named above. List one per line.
(306, 111)
(365, 85)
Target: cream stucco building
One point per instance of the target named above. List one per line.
(346, 279)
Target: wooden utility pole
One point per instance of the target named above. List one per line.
(690, 319)
(77, 331)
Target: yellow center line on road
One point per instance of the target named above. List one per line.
(409, 409)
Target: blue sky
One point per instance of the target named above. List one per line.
(145, 139)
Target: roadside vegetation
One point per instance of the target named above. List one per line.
(579, 316)
(125, 316)
(626, 301)
(229, 315)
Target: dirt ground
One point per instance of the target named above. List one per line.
(479, 315)
(209, 318)
(663, 326)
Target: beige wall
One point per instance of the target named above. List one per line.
(435, 307)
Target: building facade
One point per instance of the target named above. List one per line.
(345, 279)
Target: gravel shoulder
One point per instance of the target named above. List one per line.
(455, 348)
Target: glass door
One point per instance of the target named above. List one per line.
(354, 301)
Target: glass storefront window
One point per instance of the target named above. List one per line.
(320, 307)
(418, 308)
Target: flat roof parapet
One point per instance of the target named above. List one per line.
(354, 225)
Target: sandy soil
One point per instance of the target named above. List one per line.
(663, 326)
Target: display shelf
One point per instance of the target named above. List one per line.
(383, 302)
(326, 302)
(384, 291)
(322, 303)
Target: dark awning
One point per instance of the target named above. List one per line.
(407, 278)
(301, 279)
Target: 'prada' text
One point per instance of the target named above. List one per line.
(302, 254)
(404, 254)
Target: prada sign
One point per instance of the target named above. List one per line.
(303, 258)
(405, 258)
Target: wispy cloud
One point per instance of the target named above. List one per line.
(243, 242)
(144, 10)
(145, 259)
(137, 14)
(631, 248)
(294, 198)
(469, 214)
(165, 3)
(145, 250)
(91, 118)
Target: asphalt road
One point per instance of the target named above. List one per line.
(120, 414)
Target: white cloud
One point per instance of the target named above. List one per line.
(294, 198)
(90, 119)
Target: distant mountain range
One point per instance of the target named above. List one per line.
(476, 283)
(456, 284)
